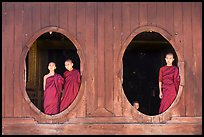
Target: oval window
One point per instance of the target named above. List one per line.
(142, 59)
(49, 47)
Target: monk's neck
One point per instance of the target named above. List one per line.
(169, 65)
(70, 70)
(52, 72)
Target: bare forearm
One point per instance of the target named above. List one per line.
(44, 80)
(43, 85)
(160, 86)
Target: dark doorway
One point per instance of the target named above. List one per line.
(48, 47)
(141, 63)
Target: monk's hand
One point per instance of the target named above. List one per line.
(160, 95)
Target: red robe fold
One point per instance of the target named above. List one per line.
(169, 76)
(53, 88)
(71, 88)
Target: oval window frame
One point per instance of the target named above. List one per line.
(165, 116)
(40, 116)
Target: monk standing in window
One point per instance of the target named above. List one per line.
(71, 86)
(52, 85)
(169, 81)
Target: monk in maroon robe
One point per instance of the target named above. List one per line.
(71, 85)
(169, 81)
(53, 84)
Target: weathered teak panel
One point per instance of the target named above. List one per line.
(101, 31)
(117, 7)
(197, 56)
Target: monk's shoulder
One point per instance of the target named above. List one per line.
(59, 76)
(77, 71)
(162, 68)
(65, 73)
(45, 76)
(176, 68)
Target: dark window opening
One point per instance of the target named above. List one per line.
(141, 63)
(48, 47)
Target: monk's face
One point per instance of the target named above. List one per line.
(136, 105)
(68, 65)
(51, 66)
(169, 59)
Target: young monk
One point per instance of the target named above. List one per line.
(169, 81)
(137, 106)
(71, 85)
(52, 85)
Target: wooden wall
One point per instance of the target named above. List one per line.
(102, 31)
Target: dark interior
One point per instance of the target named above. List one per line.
(59, 48)
(48, 47)
(141, 62)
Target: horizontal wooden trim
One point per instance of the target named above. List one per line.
(18, 121)
(101, 120)
(185, 120)
(181, 128)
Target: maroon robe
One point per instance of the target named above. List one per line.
(53, 88)
(169, 76)
(71, 88)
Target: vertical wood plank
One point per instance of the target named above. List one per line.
(54, 14)
(143, 13)
(125, 20)
(18, 96)
(197, 55)
(81, 20)
(134, 15)
(9, 59)
(27, 34)
(35, 17)
(188, 55)
(4, 45)
(89, 51)
(63, 15)
(81, 39)
(126, 32)
(27, 22)
(96, 55)
(39, 76)
(180, 109)
(151, 13)
(161, 14)
(44, 14)
(108, 57)
(72, 18)
(101, 56)
(117, 7)
(169, 17)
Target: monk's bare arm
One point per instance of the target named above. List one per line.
(44, 81)
(160, 89)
